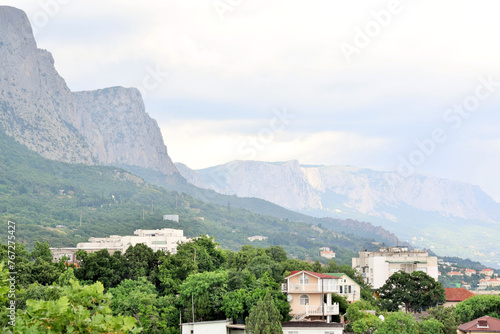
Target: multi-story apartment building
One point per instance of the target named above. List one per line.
(306, 293)
(164, 240)
(378, 266)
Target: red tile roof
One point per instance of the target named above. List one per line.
(318, 275)
(457, 294)
(493, 325)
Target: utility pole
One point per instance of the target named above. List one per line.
(80, 218)
(142, 213)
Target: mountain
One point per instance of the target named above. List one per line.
(426, 211)
(108, 126)
(39, 194)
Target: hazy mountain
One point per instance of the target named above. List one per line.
(108, 126)
(425, 210)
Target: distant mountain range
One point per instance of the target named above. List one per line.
(446, 216)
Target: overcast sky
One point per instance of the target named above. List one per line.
(322, 81)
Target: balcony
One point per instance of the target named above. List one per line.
(312, 310)
(307, 288)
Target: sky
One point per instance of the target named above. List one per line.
(405, 85)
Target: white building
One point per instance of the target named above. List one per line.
(378, 266)
(166, 239)
(174, 218)
(257, 237)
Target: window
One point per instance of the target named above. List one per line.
(350, 288)
(304, 300)
(340, 289)
(293, 332)
(304, 280)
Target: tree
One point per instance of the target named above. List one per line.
(431, 326)
(102, 267)
(416, 291)
(207, 290)
(264, 317)
(78, 310)
(477, 307)
(446, 316)
(367, 325)
(399, 323)
(139, 299)
(356, 312)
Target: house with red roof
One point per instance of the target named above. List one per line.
(456, 295)
(483, 325)
(470, 272)
(486, 272)
(306, 291)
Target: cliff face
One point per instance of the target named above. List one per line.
(36, 105)
(108, 126)
(118, 130)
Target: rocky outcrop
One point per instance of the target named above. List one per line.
(108, 126)
(283, 184)
(36, 105)
(118, 130)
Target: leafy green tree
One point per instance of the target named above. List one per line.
(446, 316)
(79, 310)
(101, 266)
(416, 291)
(477, 307)
(356, 312)
(207, 290)
(398, 323)
(138, 299)
(431, 326)
(366, 325)
(264, 317)
(41, 252)
(197, 256)
(141, 261)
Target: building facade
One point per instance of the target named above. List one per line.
(165, 240)
(377, 267)
(348, 287)
(306, 293)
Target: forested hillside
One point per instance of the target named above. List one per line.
(39, 194)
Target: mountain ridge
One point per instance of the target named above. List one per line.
(425, 211)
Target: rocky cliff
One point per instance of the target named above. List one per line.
(118, 130)
(36, 105)
(108, 126)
